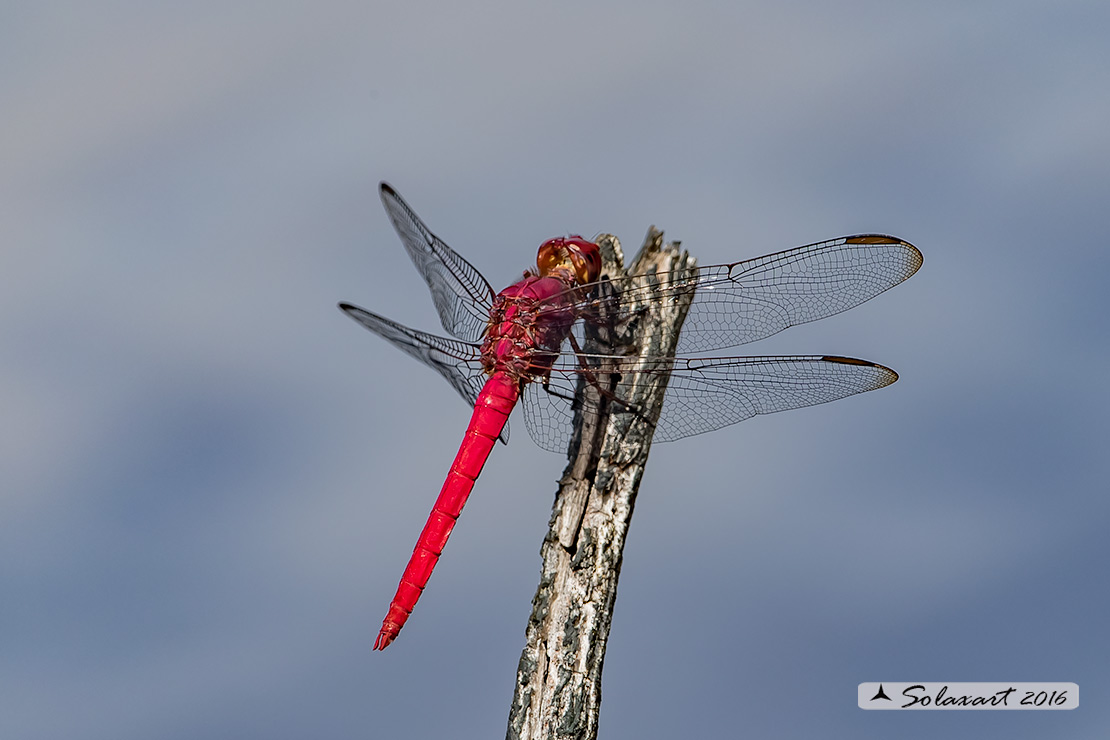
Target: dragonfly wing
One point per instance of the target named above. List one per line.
(549, 414)
(705, 394)
(461, 295)
(751, 300)
(458, 362)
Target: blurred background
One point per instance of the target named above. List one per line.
(211, 480)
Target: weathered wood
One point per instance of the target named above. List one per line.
(558, 687)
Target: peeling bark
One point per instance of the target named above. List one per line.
(558, 686)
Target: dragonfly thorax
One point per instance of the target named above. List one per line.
(528, 322)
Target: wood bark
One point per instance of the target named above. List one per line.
(558, 686)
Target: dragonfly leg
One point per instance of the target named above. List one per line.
(598, 310)
(593, 380)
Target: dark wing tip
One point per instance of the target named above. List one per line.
(351, 309)
(874, 239)
(888, 375)
(387, 189)
(915, 260)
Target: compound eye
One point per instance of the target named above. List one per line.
(590, 266)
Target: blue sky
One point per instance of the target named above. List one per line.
(210, 480)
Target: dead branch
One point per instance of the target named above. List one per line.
(558, 687)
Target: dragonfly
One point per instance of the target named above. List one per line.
(524, 345)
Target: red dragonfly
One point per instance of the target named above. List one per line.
(523, 343)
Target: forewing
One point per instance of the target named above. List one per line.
(458, 362)
(705, 394)
(746, 301)
(461, 295)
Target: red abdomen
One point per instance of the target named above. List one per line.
(492, 410)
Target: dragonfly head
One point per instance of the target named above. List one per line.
(574, 255)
